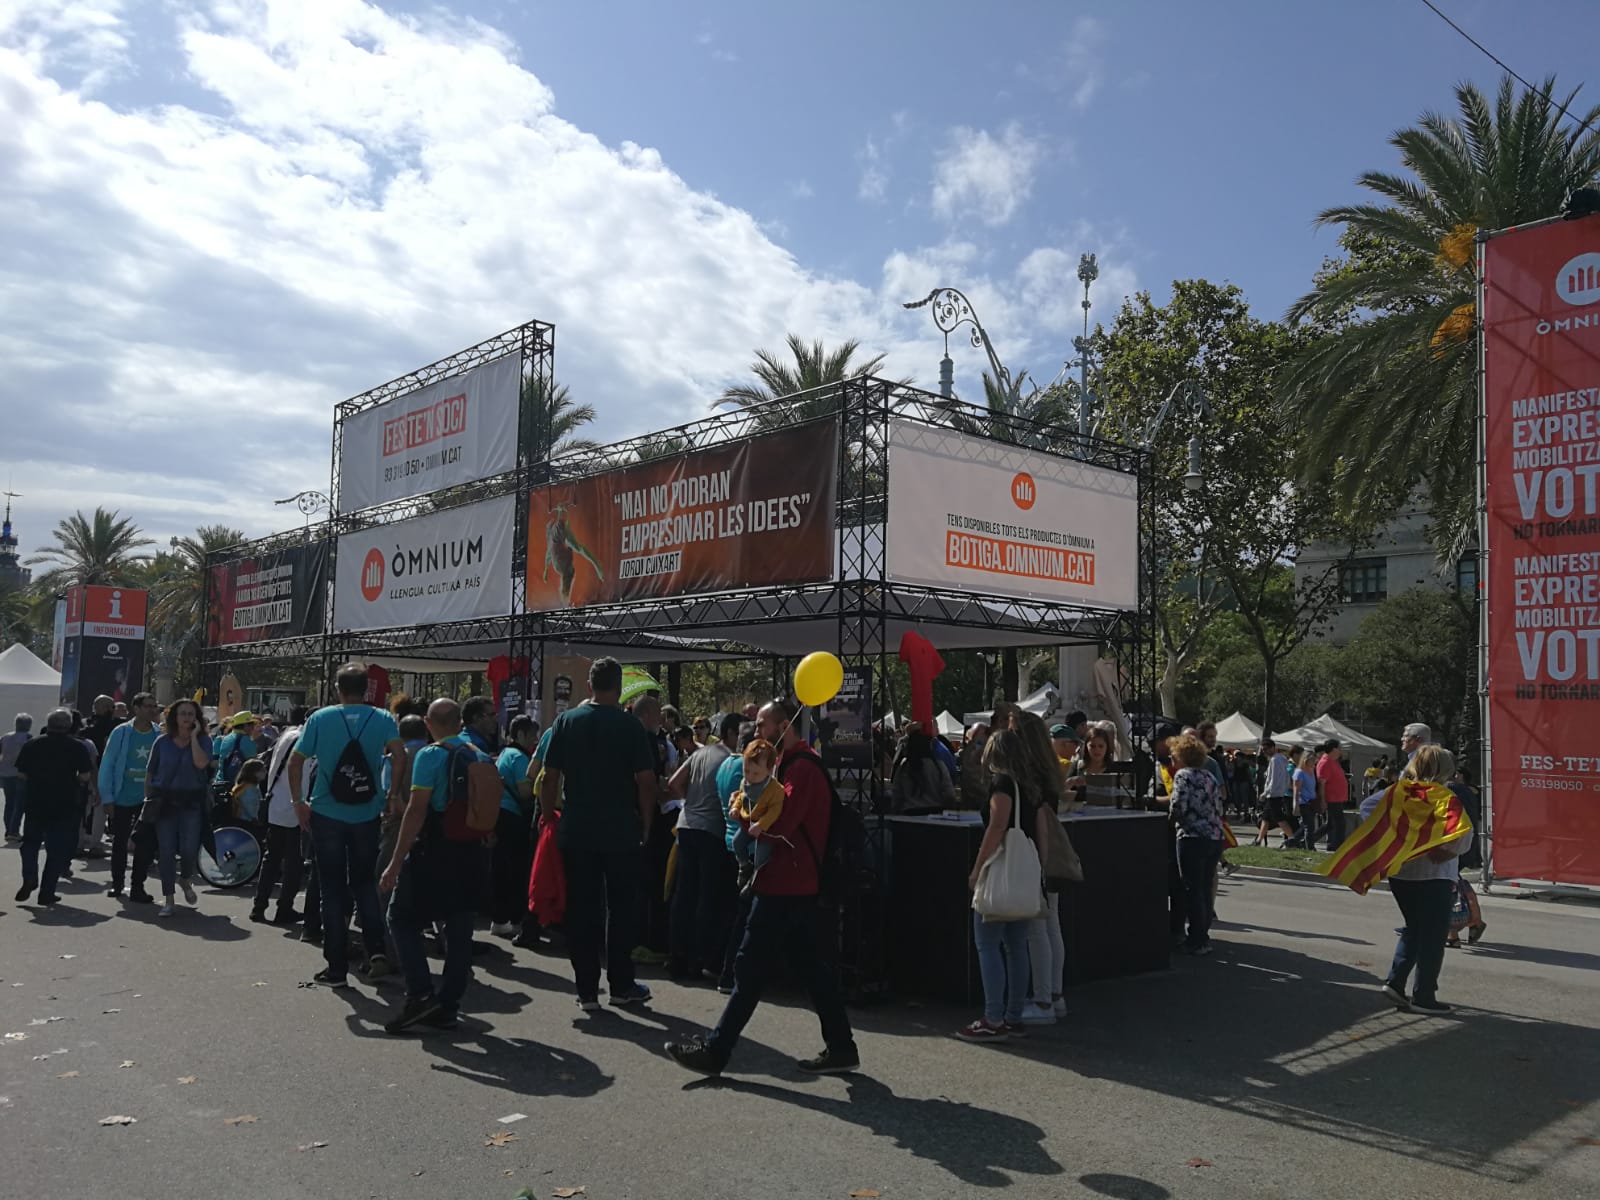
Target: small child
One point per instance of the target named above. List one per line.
(758, 815)
(246, 791)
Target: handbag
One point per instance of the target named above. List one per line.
(1061, 862)
(1011, 884)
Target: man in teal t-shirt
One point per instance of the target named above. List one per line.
(345, 836)
(513, 836)
(236, 747)
(122, 771)
(434, 879)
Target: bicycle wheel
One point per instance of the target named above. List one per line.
(236, 859)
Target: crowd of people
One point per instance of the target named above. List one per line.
(705, 849)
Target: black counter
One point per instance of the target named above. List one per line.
(1114, 922)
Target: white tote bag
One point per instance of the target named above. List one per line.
(1011, 884)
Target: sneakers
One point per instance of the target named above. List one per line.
(188, 892)
(48, 898)
(588, 1004)
(113, 893)
(414, 1013)
(167, 908)
(1059, 1006)
(377, 967)
(725, 987)
(503, 929)
(982, 1031)
(445, 1018)
(696, 1056)
(24, 892)
(1429, 1006)
(1016, 1030)
(637, 994)
(327, 978)
(286, 916)
(832, 1062)
(1396, 997)
(1038, 1014)
(1200, 951)
(258, 917)
(314, 936)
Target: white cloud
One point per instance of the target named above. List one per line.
(355, 194)
(1084, 60)
(874, 185)
(801, 189)
(985, 176)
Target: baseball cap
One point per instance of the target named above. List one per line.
(1064, 731)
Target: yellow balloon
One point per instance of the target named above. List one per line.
(818, 678)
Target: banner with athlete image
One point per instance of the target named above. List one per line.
(1541, 391)
(277, 595)
(753, 513)
(453, 565)
(981, 516)
(452, 432)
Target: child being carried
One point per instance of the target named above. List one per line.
(756, 806)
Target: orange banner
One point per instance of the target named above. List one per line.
(980, 553)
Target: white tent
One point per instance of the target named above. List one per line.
(1238, 732)
(27, 685)
(1362, 750)
(949, 724)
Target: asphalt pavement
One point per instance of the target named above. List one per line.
(1270, 1069)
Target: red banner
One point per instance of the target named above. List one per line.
(1541, 323)
(752, 513)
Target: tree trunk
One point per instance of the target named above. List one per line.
(1268, 692)
(1008, 672)
(1167, 687)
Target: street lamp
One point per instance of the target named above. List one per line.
(1199, 412)
(1088, 272)
(309, 502)
(951, 310)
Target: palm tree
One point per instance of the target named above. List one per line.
(1390, 394)
(1019, 413)
(554, 410)
(813, 367)
(179, 590)
(101, 549)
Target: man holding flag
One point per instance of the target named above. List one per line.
(1412, 834)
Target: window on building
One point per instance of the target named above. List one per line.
(1467, 575)
(1365, 581)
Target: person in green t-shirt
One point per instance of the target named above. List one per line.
(603, 759)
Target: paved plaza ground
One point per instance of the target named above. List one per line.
(1271, 1069)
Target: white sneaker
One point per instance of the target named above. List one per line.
(503, 929)
(166, 909)
(188, 892)
(1038, 1014)
(1060, 1006)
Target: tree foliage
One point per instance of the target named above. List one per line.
(104, 548)
(810, 366)
(555, 411)
(1412, 660)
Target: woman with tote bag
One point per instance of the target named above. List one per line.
(1008, 891)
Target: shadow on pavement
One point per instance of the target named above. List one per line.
(1124, 1187)
(65, 915)
(1311, 935)
(518, 1065)
(1576, 960)
(190, 922)
(979, 1147)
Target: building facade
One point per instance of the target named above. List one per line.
(13, 574)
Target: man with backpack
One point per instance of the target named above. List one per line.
(439, 864)
(784, 912)
(349, 741)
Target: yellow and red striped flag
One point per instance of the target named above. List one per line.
(1411, 819)
(1228, 838)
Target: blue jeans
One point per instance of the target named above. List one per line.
(13, 786)
(782, 928)
(421, 897)
(178, 838)
(1425, 904)
(1197, 863)
(59, 837)
(1005, 974)
(347, 859)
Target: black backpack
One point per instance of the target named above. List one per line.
(839, 863)
(352, 781)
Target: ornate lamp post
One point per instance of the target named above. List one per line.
(309, 502)
(951, 310)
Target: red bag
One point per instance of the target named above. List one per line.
(547, 882)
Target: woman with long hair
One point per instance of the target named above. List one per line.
(1003, 945)
(1047, 949)
(919, 781)
(1094, 757)
(1425, 891)
(177, 788)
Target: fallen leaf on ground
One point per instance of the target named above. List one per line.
(1587, 1141)
(186, 1078)
(126, 1063)
(118, 1120)
(499, 1139)
(106, 1012)
(566, 1193)
(67, 1075)
(247, 1119)
(1201, 1162)
(865, 1194)
(1362, 964)
(311, 1146)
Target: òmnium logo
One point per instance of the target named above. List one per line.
(1578, 282)
(372, 575)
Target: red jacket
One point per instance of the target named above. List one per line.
(799, 838)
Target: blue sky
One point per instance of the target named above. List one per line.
(217, 219)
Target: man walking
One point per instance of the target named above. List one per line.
(11, 745)
(783, 915)
(1334, 787)
(1276, 795)
(55, 769)
(433, 878)
(282, 862)
(98, 729)
(123, 765)
(513, 841)
(348, 740)
(703, 887)
(604, 760)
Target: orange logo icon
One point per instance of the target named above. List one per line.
(372, 575)
(1023, 492)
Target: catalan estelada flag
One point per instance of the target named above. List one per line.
(1228, 838)
(1411, 819)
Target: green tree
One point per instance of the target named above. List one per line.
(553, 410)
(104, 549)
(1017, 413)
(1412, 660)
(812, 367)
(1391, 396)
(177, 579)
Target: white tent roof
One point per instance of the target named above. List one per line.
(19, 665)
(949, 724)
(1041, 702)
(1238, 732)
(1314, 733)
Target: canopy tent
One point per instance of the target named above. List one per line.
(27, 685)
(949, 724)
(1238, 732)
(1363, 750)
(1042, 702)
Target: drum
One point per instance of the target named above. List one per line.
(232, 859)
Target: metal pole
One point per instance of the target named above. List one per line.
(1088, 272)
(1485, 740)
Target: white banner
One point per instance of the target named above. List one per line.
(455, 431)
(984, 517)
(447, 566)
